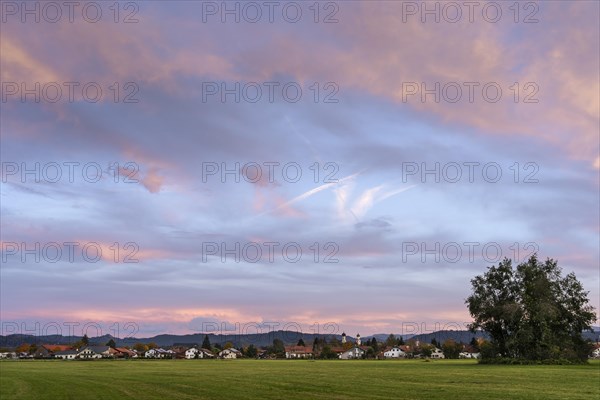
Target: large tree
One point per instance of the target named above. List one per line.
(451, 349)
(278, 348)
(327, 353)
(374, 345)
(206, 343)
(140, 347)
(391, 340)
(23, 348)
(532, 311)
(251, 351)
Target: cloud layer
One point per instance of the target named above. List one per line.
(387, 192)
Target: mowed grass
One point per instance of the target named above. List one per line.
(294, 379)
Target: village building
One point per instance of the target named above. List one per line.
(66, 355)
(125, 353)
(91, 352)
(437, 353)
(230, 353)
(195, 352)
(48, 350)
(159, 353)
(394, 352)
(298, 352)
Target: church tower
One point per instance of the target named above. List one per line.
(343, 337)
(358, 339)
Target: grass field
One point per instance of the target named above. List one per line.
(298, 379)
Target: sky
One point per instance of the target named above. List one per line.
(187, 166)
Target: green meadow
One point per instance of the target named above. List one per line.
(294, 379)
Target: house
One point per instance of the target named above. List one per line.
(66, 355)
(596, 351)
(437, 353)
(91, 352)
(338, 350)
(159, 353)
(198, 353)
(152, 353)
(88, 353)
(125, 353)
(8, 354)
(468, 354)
(192, 353)
(179, 351)
(48, 350)
(394, 352)
(406, 349)
(298, 352)
(353, 353)
(230, 353)
(168, 353)
(207, 353)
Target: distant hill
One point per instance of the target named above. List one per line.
(264, 339)
(381, 337)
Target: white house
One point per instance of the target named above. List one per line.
(150, 353)
(195, 352)
(596, 353)
(96, 352)
(230, 353)
(437, 353)
(90, 352)
(353, 353)
(466, 354)
(66, 355)
(394, 352)
(207, 353)
(159, 353)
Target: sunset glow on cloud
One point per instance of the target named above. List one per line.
(356, 167)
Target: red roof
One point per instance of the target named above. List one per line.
(56, 347)
(298, 349)
(124, 350)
